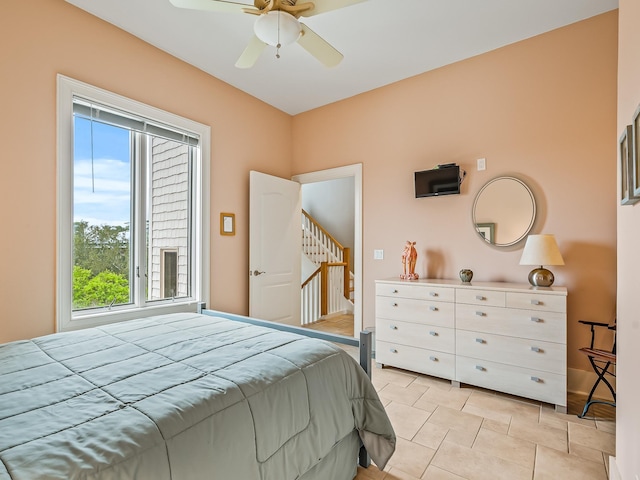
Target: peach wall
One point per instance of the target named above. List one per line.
(41, 38)
(543, 110)
(628, 415)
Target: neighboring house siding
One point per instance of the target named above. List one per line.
(168, 228)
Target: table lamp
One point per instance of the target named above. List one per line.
(541, 250)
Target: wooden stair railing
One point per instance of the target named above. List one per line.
(310, 299)
(332, 251)
(320, 239)
(323, 271)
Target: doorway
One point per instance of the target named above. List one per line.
(353, 172)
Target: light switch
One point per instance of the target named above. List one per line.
(378, 254)
(482, 164)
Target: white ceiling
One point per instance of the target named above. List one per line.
(382, 41)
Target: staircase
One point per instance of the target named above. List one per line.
(327, 290)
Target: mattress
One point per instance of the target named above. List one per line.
(185, 396)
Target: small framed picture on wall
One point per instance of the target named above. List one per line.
(227, 224)
(635, 155)
(626, 147)
(486, 231)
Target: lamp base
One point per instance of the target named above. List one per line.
(541, 277)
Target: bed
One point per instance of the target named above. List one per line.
(186, 396)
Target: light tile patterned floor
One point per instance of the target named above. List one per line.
(449, 433)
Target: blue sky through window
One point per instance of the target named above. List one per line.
(102, 193)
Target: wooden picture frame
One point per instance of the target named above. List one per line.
(635, 155)
(625, 151)
(227, 224)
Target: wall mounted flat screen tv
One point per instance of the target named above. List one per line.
(444, 180)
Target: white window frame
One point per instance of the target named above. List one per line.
(66, 319)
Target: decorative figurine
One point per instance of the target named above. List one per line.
(466, 275)
(409, 258)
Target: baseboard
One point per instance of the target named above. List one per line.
(614, 473)
(581, 381)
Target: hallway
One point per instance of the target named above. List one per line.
(338, 324)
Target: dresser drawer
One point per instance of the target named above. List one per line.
(537, 301)
(525, 382)
(538, 325)
(415, 359)
(418, 335)
(417, 291)
(476, 296)
(534, 354)
(416, 311)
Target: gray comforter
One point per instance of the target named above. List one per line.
(182, 396)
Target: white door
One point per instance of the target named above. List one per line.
(274, 248)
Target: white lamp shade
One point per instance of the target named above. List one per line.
(541, 250)
(277, 27)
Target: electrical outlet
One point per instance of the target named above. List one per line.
(482, 164)
(378, 254)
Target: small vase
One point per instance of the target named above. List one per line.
(466, 275)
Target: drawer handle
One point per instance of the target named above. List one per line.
(433, 334)
(536, 349)
(433, 294)
(433, 309)
(480, 314)
(394, 291)
(480, 367)
(433, 359)
(480, 340)
(536, 302)
(393, 350)
(536, 319)
(394, 304)
(393, 327)
(480, 297)
(536, 379)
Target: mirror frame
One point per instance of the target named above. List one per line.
(533, 214)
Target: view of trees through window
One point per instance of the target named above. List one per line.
(101, 265)
(123, 174)
(102, 214)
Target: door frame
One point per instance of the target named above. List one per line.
(354, 171)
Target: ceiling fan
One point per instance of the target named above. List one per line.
(278, 25)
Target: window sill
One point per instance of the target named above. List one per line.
(95, 319)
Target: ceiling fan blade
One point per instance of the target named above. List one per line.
(319, 48)
(212, 5)
(321, 6)
(251, 54)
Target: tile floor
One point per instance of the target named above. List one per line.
(449, 433)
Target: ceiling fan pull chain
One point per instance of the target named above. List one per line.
(278, 45)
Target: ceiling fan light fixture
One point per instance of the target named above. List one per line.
(277, 28)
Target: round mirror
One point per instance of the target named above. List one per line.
(504, 211)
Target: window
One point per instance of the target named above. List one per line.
(132, 208)
(169, 274)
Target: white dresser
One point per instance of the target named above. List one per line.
(501, 336)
